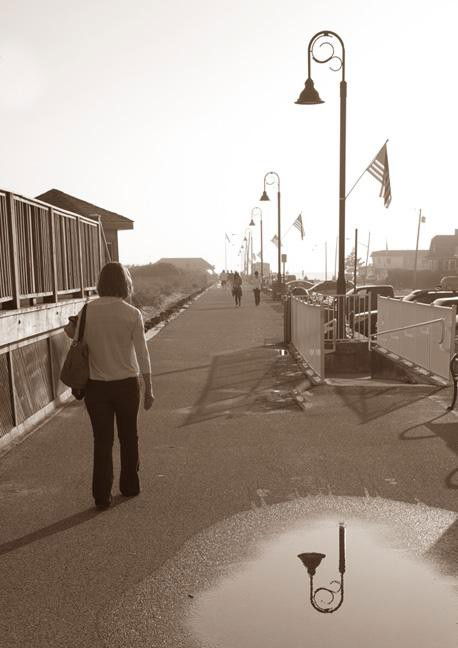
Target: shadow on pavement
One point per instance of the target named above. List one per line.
(58, 527)
(175, 371)
(258, 379)
(445, 550)
(448, 432)
(370, 403)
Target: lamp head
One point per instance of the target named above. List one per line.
(309, 95)
(264, 196)
(252, 223)
(311, 561)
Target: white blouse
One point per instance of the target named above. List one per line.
(116, 341)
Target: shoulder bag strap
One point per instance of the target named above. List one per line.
(82, 323)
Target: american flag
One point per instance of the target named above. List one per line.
(380, 170)
(299, 225)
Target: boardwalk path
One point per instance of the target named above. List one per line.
(224, 434)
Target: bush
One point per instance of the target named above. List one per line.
(155, 281)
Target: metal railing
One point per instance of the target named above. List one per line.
(360, 321)
(307, 332)
(410, 331)
(45, 252)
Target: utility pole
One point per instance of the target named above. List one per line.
(325, 260)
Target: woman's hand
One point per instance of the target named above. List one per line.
(148, 400)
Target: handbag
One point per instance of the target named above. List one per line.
(75, 370)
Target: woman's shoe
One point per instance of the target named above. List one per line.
(103, 505)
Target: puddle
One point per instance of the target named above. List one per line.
(369, 592)
(382, 570)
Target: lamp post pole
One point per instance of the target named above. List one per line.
(310, 96)
(266, 197)
(258, 210)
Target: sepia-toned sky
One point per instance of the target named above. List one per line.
(171, 111)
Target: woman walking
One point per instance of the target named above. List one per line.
(114, 334)
(237, 288)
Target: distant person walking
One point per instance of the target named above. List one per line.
(257, 285)
(223, 279)
(237, 288)
(115, 337)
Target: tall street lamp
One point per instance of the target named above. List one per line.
(254, 211)
(310, 96)
(264, 197)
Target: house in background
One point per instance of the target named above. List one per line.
(385, 260)
(443, 253)
(192, 263)
(111, 222)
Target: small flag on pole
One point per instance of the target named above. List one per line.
(228, 239)
(423, 219)
(274, 240)
(379, 169)
(299, 225)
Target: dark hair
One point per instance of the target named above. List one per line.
(114, 281)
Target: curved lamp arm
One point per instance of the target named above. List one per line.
(277, 179)
(312, 51)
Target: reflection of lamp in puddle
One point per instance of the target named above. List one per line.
(322, 599)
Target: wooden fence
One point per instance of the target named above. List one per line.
(46, 253)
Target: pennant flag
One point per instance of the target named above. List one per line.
(379, 169)
(299, 225)
(274, 240)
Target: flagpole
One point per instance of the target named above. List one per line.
(373, 159)
(356, 259)
(225, 251)
(367, 256)
(416, 253)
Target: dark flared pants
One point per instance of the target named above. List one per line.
(106, 400)
(257, 296)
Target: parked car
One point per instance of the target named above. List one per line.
(449, 302)
(328, 287)
(430, 295)
(372, 291)
(298, 287)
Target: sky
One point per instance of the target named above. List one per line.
(171, 112)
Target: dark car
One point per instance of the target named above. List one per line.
(430, 295)
(372, 292)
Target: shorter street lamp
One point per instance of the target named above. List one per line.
(311, 561)
(265, 197)
(258, 210)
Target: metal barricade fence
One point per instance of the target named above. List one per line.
(307, 332)
(422, 334)
(359, 320)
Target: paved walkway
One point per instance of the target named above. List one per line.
(225, 433)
